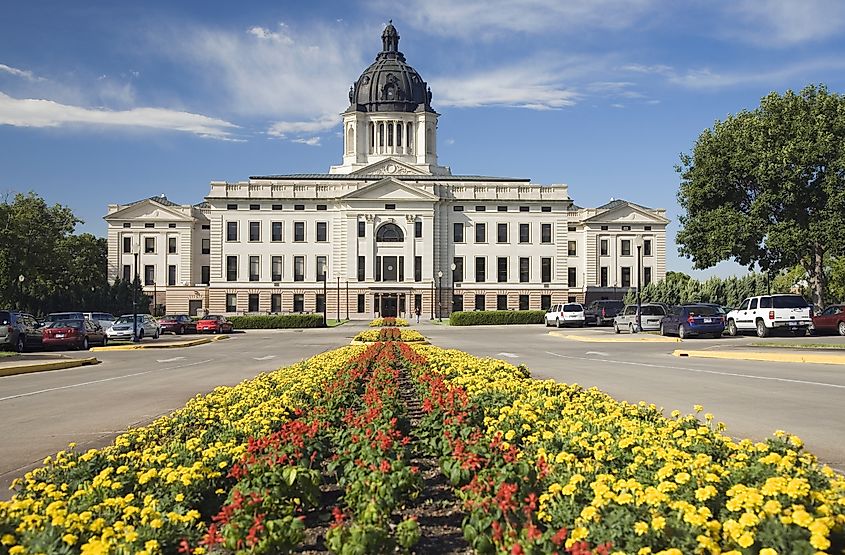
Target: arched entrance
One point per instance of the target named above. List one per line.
(390, 305)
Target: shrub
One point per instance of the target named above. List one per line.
(496, 317)
(389, 334)
(277, 321)
(388, 322)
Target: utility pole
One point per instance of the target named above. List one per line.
(338, 298)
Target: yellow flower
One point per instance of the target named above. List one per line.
(640, 528)
(69, 539)
(7, 539)
(768, 551)
(746, 540)
(658, 523)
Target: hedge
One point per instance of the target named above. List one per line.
(496, 317)
(277, 321)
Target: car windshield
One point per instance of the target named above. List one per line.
(76, 324)
(170, 317)
(5, 318)
(212, 318)
(789, 301)
(572, 308)
(652, 311)
(63, 316)
(703, 310)
(128, 319)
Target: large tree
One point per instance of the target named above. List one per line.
(767, 187)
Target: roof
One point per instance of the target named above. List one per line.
(619, 202)
(370, 177)
(161, 199)
(202, 204)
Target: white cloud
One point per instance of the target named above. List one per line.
(23, 73)
(283, 129)
(30, 112)
(783, 23)
(310, 141)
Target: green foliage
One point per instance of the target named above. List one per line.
(277, 321)
(496, 317)
(726, 292)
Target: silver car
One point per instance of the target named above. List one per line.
(123, 328)
(650, 318)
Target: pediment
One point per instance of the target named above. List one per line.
(149, 210)
(390, 166)
(390, 189)
(628, 213)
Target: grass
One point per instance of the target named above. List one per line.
(335, 323)
(8, 354)
(828, 346)
(445, 322)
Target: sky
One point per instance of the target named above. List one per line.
(110, 102)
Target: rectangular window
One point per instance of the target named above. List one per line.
(276, 268)
(299, 232)
(127, 272)
(149, 275)
(546, 270)
(322, 207)
(390, 207)
(231, 302)
(231, 231)
(603, 276)
(545, 233)
(254, 231)
(206, 226)
(524, 233)
(275, 303)
(502, 269)
(361, 300)
(322, 232)
(171, 275)
(545, 302)
(458, 272)
(322, 268)
(523, 302)
(277, 207)
(480, 208)
(458, 232)
(604, 228)
(149, 225)
(254, 268)
(378, 270)
(457, 208)
(149, 245)
(572, 248)
(501, 302)
(647, 247)
(418, 268)
(571, 277)
(603, 247)
(480, 269)
(299, 207)
(571, 299)
(524, 270)
(523, 209)
(299, 302)
(502, 233)
(418, 229)
(362, 261)
(502, 208)
(127, 224)
(646, 275)
(401, 268)
(571, 228)
(362, 229)
(480, 233)
(231, 268)
(206, 246)
(205, 274)
(457, 303)
(545, 209)
(299, 269)
(626, 247)
(252, 302)
(626, 276)
(626, 228)
(479, 302)
(418, 302)
(255, 207)
(276, 231)
(127, 244)
(321, 303)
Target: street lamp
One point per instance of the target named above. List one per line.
(639, 243)
(439, 293)
(452, 301)
(136, 251)
(21, 279)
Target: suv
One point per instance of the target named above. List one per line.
(602, 312)
(769, 312)
(19, 330)
(569, 314)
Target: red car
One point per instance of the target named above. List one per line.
(830, 320)
(177, 323)
(215, 324)
(77, 334)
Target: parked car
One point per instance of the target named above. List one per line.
(602, 312)
(215, 324)
(56, 316)
(830, 320)
(569, 314)
(767, 313)
(693, 319)
(123, 327)
(105, 319)
(177, 323)
(651, 315)
(78, 334)
(19, 331)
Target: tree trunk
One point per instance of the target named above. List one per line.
(817, 279)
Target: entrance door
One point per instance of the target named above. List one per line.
(194, 307)
(390, 269)
(389, 306)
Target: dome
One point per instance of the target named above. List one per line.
(390, 84)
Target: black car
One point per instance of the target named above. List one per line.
(19, 331)
(602, 312)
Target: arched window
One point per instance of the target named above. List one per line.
(389, 233)
(381, 135)
(429, 141)
(350, 140)
(372, 137)
(410, 128)
(399, 134)
(390, 134)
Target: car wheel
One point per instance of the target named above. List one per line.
(631, 328)
(20, 345)
(558, 323)
(762, 330)
(682, 333)
(732, 331)
(105, 341)
(615, 327)
(841, 328)
(156, 334)
(85, 344)
(180, 330)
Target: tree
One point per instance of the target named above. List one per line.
(767, 187)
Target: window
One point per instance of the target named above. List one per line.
(457, 302)
(457, 208)
(546, 233)
(378, 270)
(389, 233)
(276, 268)
(254, 268)
(401, 268)
(255, 207)
(523, 302)
(458, 232)
(171, 275)
(647, 228)
(231, 207)
(572, 299)
(545, 302)
(604, 228)
(149, 245)
(275, 302)
(361, 301)
(252, 302)
(502, 233)
(458, 272)
(502, 208)
(546, 270)
(572, 248)
(231, 302)
(523, 209)
(322, 232)
(206, 246)
(362, 262)
(299, 207)
(480, 208)
(571, 228)
(127, 224)
(572, 277)
(299, 302)
(753, 304)
(127, 272)
(646, 275)
(480, 233)
(524, 233)
(149, 275)
(545, 209)
(322, 207)
(524, 270)
(418, 229)
(149, 225)
(299, 269)
(299, 232)
(626, 228)
(603, 247)
(321, 303)
(254, 231)
(322, 268)
(276, 231)
(231, 231)
(418, 268)
(277, 207)
(205, 274)
(206, 226)
(479, 302)
(127, 244)
(362, 229)
(626, 247)
(626, 276)
(603, 276)
(390, 206)
(480, 268)
(647, 247)
(501, 302)
(502, 269)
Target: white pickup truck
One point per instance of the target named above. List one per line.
(769, 312)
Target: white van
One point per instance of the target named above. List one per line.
(569, 314)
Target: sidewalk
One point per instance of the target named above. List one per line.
(778, 354)
(168, 345)
(617, 338)
(29, 363)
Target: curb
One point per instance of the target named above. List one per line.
(764, 356)
(627, 338)
(134, 347)
(46, 366)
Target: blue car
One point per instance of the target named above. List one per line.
(690, 320)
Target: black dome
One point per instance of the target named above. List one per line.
(390, 84)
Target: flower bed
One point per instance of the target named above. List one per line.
(389, 322)
(389, 334)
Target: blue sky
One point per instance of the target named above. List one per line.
(108, 102)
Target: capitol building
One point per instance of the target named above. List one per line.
(385, 231)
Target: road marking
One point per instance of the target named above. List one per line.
(509, 355)
(49, 389)
(268, 357)
(174, 359)
(599, 353)
(701, 371)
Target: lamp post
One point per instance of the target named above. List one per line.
(325, 304)
(338, 298)
(439, 294)
(155, 298)
(639, 242)
(452, 298)
(136, 251)
(21, 279)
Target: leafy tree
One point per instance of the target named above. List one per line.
(767, 187)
